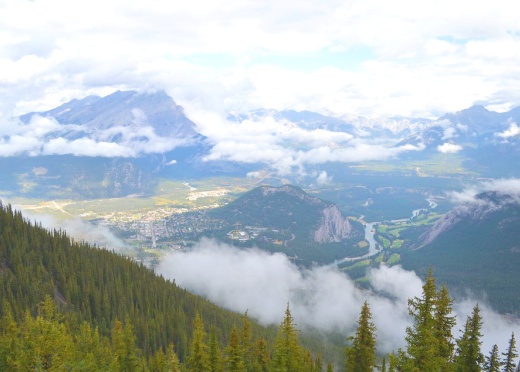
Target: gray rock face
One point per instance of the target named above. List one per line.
(333, 226)
(128, 109)
(483, 206)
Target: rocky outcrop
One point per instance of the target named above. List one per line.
(333, 226)
(479, 209)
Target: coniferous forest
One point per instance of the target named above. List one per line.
(67, 306)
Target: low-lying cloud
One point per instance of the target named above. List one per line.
(284, 146)
(502, 186)
(45, 136)
(449, 148)
(322, 297)
(512, 131)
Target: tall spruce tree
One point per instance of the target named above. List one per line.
(493, 362)
(214, 354)
(444, 322)
(288, 354)
(361, 354)
(198, 358)
(235, 353)
(510, 355)
(422, 351)
(468, 357)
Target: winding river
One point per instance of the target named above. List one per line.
(370, 231)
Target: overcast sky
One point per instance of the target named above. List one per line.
(369, 57)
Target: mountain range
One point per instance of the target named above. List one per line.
(123, 143)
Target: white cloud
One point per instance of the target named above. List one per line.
(513, 131)
(44, 136)
(503, 186)
(321, 297)
(449, 148)
(323, 178)
(449, 133)
(364, 57)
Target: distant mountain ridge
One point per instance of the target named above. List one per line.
(124, 109)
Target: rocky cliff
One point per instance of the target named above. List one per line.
(333, 226)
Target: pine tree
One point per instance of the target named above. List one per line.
(288, 354)
(235, 353)
(383, 366)
(330, 368)
(422, 351)
(246, 341)
(318, 364)
(510, 355)
(468, 357)
(172, 363)
(198, 358)
(215, 357)
(261, 356)
(444, 322)
(123, 345)
(361, 354)
(493, 362)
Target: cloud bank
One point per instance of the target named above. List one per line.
(322, 297)
(286, 147)
(370, 58)
(45, 136)
(503, 186)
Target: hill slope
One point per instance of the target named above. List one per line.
(98, 286)
(311, 229)
(475, 246)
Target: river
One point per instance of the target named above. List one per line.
(370, 231)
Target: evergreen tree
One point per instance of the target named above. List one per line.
(330, 368)
(383, 366)
(493, 362)
(246, 342)
(422, 351)
(510, 355)
(361, 354)
(123, 346)
(198, 358)
(444, 322)
(235, 353)
(288, 354)
(318, 364)
(468, 357)
(172, 363)
(261, 356)
(215, 357)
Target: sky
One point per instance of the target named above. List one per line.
(368, 58)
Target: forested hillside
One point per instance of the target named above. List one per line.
(69, 306)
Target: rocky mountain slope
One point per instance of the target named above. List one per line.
(315, 229)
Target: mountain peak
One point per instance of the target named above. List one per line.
(124, 109)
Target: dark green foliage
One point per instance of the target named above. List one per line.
(99, 287)
(295, 215)
(493, 362)
(510, 355)
(489, 249)
(468, 357)
(361, 354)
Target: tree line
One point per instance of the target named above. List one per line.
(430, 344)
